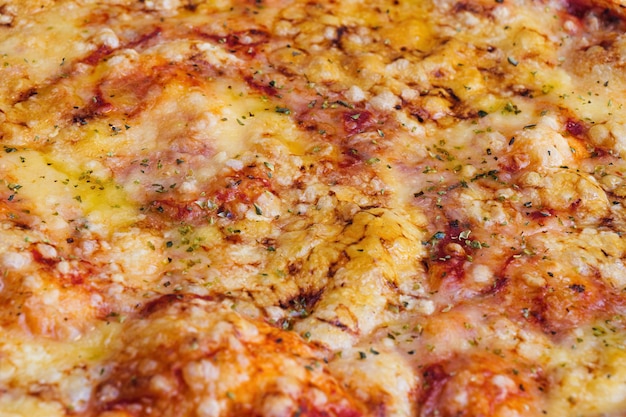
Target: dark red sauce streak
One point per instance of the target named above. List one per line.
(97, 55)
(145, 39)
(435, 379)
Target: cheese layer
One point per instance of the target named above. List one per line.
(290, 208)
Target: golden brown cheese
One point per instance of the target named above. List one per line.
(290, 208)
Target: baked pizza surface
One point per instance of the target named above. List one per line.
(324, 208)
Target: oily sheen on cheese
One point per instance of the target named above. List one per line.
(330, 208)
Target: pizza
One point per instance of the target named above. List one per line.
(312, 208)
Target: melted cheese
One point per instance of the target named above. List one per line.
(288, 208)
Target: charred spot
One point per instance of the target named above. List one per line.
(522, 91)
(234, 183)
(609, 223)
(334, 267)
(191, 6)
(25, 95)
(595, 152)
(341, 30)
(268, 242)
(449, 93)
(81, 120)
(18, 223)
(9, 16)
(338, 324)
(420, 115)
(303, 304)
(580, 8)
(294, 267)
(461, 111)
(457, 107)
(579, 288)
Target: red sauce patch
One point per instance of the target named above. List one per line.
(181, 211)
(435, 378)
(448, 252)
(128, 92)
(223, 198)
(473, 378)
(562, 303)
(575, 128)
(357, 121)
(243, 187)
